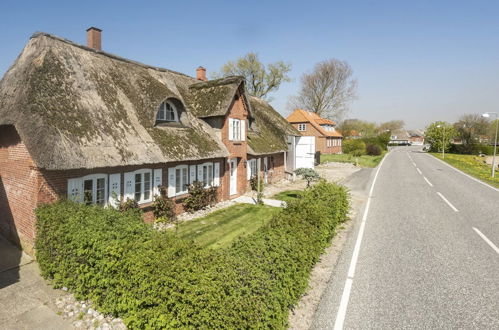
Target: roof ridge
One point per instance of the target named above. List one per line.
(110, 55)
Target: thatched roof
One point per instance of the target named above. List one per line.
(214, 97)
(75, 107)
(269, 132)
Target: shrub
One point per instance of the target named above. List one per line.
(128, 204)
(308, 174)
(200, 197)
(373, 150)
(354, 147)
(155, 280)
(164, 207)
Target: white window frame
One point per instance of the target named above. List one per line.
(80, 182)
(237, 129)
(329, 142)
(142, 173)
(302, 127)
(183, 185)
(164, 108)
(207, 175)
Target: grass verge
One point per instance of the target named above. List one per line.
(363, 161)
(472, 165)
(220, 228)
(288, 195)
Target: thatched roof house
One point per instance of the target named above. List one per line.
(79, 122)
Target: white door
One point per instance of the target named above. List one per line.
(265, 170)
(305, 152)
(233, 176)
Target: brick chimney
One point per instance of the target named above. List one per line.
(94, 38)
(201, 74)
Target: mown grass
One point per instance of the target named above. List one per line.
(362, 161)
(472, 165)
(288, 195)
(220, 228)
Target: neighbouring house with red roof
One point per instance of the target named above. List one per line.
(83, 124)
(327, 139)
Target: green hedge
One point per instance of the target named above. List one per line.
(156, 280)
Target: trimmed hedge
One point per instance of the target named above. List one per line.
(156, 280)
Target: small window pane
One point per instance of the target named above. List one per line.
(88, 191)
(147, 185)
(177, 181)
(185, 179)
(101, 191)
(138, 186)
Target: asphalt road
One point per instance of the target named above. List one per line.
(423, 254)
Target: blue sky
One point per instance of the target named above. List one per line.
(419, 61)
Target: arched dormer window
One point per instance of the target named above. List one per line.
(167, 112)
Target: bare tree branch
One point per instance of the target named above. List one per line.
(327, 90)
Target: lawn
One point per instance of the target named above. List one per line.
(220, 228)
(362, 161)
(472, 165)
(288, 195)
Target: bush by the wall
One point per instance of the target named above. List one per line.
(200, 197)
(128, 204)
(155, 280)
(163, 207)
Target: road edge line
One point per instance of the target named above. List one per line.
(345, 296)
(465, 174)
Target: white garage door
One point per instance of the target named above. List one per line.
(305, 151)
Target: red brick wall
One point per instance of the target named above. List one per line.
(18, 189)
(238, 149)
(276, 167)
(53, 184)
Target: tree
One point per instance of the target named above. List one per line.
(469, 127)
(308, 174)
(439, 134)
(391, 126)
(364, 128)
(327, 90)
(260, 79)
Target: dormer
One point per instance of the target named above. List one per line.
(169, 112)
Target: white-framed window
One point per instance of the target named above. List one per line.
(90, 189)
(167, 112)
(181, 176)
(181, 179)
(206, 174)
(237, 129)
(142, 185)
(329, 142)
(302, 127)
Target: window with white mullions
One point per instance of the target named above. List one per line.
(94, 189)
(207, 178)
(302, 127)
(237, 129)
(167, 112)
(181, 180)
(142, 186)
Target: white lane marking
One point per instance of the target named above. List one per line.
(448, 203)
(428, 181)
(469, 176)
(495, 248)
(419, 171)
(345, 297)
